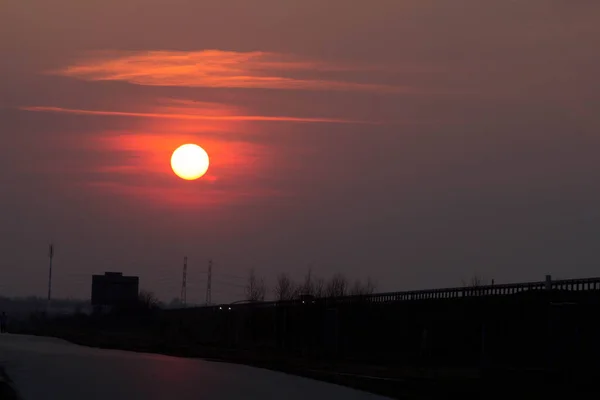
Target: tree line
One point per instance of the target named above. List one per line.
(287, 289)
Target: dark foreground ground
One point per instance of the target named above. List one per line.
(7, 391)
(536, 344)
(410, 382)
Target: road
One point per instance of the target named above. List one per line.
(48, 368)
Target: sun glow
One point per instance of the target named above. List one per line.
(189, 162)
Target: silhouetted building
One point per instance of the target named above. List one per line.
(114, 289)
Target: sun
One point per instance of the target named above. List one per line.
(189, 162)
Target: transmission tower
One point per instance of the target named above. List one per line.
(51, 256)
(183, 296)
(208, 283)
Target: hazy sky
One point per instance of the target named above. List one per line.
(416, 142)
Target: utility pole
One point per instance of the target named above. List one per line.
(50, 255)
(183, 296)
(208, 283)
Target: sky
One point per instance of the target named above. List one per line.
(415, 142)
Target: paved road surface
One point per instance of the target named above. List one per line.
(47, 369)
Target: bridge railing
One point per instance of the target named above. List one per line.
(484, 290)
(585, 284)
(576, 284)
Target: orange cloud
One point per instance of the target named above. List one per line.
(217, 69)
(191, 116)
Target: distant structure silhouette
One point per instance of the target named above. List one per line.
(114, 289)
(208, 283)
(183, 296)
(51, 256)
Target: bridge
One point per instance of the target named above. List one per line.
(488, 290)
(571, 285)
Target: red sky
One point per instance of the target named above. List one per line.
(413, 142)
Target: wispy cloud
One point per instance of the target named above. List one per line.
(191, 116)
(218, 69)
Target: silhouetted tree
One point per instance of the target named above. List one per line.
(370, 286)
(255, 288)
(337, 286)
(319, 288)
(360, 289)
(285, 288)
(175, 303)
(475, 281)
(148, 300)
(308, 286)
